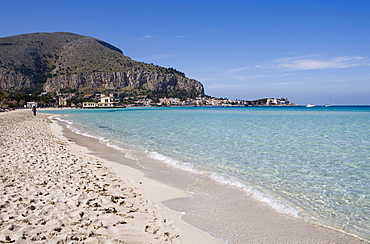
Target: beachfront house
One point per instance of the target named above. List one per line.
(89, 104)
(105, 102)
(31, 104)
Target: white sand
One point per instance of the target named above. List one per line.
(52, 191)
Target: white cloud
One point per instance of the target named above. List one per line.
(349, 80)
(223, 86)
(195, 33)
(146, 37)
(155, 57)
(250, 77)
(284, 75)
(236, 70)
(301, 63)
(161, 56)
(161, 36)
(184, 35)
(285, 83)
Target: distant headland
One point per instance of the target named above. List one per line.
(67, 69)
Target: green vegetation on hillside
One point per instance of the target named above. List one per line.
(19, 100)
(127, 95)
(31, 62)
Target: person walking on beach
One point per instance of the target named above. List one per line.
(34, 110)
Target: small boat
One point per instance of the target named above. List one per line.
(310, 106)
(329, 105)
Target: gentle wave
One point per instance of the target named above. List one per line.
(259, 195)
(174, 163)
(72, 126)
(256, 193)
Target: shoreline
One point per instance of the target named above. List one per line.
(127, 169)
(246, 220)
(56, 191)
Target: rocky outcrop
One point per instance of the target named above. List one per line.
(51, 61)
(145, 79)
(13, 80)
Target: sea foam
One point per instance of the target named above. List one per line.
(259, 195)
(173, 163)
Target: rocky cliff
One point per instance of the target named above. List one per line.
(51, 61)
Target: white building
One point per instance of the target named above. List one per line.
(31, 104)
(105, 102)
(89, 104)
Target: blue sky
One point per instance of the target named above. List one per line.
(304, 50)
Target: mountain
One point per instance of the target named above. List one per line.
(62, 60)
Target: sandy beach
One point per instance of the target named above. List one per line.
(54, 189)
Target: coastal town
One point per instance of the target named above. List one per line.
(116, 100)
(110, 101)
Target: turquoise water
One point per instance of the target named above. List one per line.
(313, 163)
